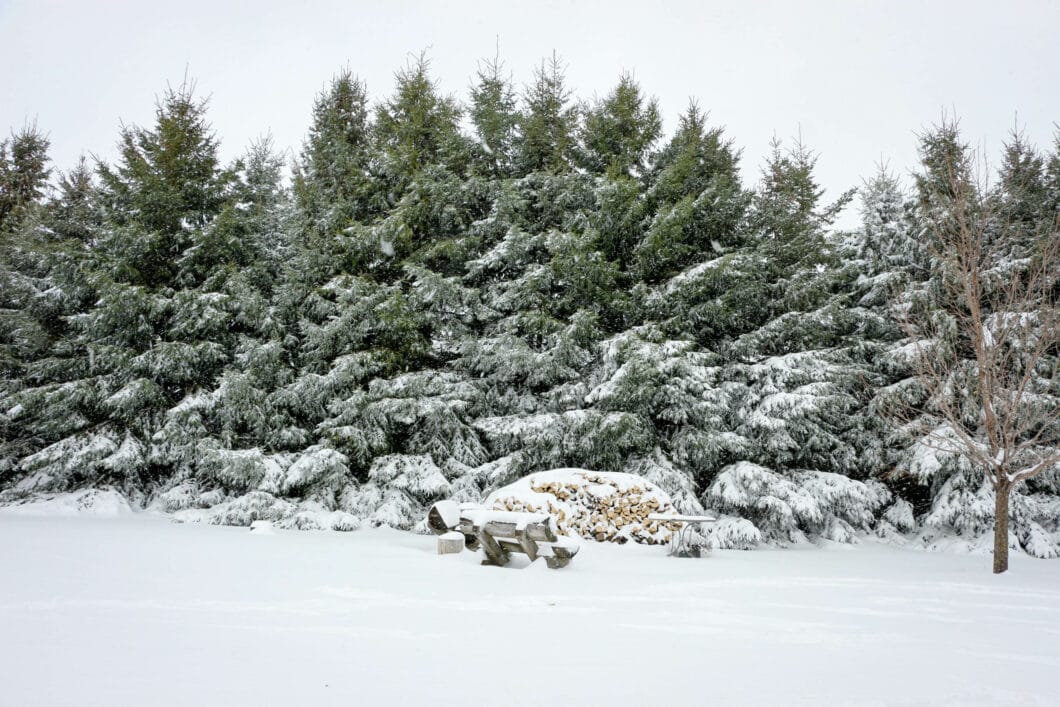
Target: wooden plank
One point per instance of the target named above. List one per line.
(470, 533)
(495, 554)
(678, 518)
(565, 550)
(541, 532)
(500, 529)
(528, 546)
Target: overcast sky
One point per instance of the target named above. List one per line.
(858, 79)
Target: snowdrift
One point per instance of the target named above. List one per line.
(95, 502)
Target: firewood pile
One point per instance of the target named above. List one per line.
(604, 506)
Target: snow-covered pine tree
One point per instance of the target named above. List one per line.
(23, 174)
(793, 408)
(418, 126)
(389, 307)
(165, 323)
(50, 286)
(548, 122)
(24, 271)
(892, 266)
(332, 182)
(696, 201)
(494, 114)
(1052, 180)
(620, 130)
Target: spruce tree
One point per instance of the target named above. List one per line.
(975, 374)
(620, 130)
(160, 329)
(493, 112)
(23, 173)
(418, 126)
(699, 203)
(548, 122)
(1020, 198)
(332, 180)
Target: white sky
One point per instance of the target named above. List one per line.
(857, 78)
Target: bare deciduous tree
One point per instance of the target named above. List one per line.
(990, 361)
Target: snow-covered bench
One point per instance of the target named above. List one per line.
(500, 533)
(681, 544)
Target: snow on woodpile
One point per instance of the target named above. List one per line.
(601, 505)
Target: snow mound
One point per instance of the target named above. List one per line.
(262, 527)
(97, 502)
(602, 505)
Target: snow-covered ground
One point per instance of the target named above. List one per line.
(136, 610)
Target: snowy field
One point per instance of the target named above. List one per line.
(137, 610)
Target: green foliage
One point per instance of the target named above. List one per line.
(620, 130)
(693, 158)
(417, 126)
(332, 182)
(548, 123)
(168, 178)
(23, 173)
(494, 114)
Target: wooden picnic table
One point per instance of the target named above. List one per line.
(500, 533)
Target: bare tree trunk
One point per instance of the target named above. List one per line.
(1001, 493)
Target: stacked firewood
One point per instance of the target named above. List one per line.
(604, 506)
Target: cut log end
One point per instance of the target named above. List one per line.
(450, 543)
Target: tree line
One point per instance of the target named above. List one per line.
(448, 294)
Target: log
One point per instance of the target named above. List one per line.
(450, 543)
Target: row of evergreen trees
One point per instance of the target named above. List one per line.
(449, 295)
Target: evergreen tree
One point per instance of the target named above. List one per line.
(1020, 198)
(978, 353)
(494, 114)
(887, 241)
(548, 123)
(417, 126)
(48, 288)
(23, 173)
(167, 186)
(160, 328)
(332, 181)
(698, 200)
(1052, 180)
(788, 213)
(694, 157)
(620, 130)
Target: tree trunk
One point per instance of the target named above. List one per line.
(1001, 492)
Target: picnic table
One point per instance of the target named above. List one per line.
(681, 544)
(500, 533)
